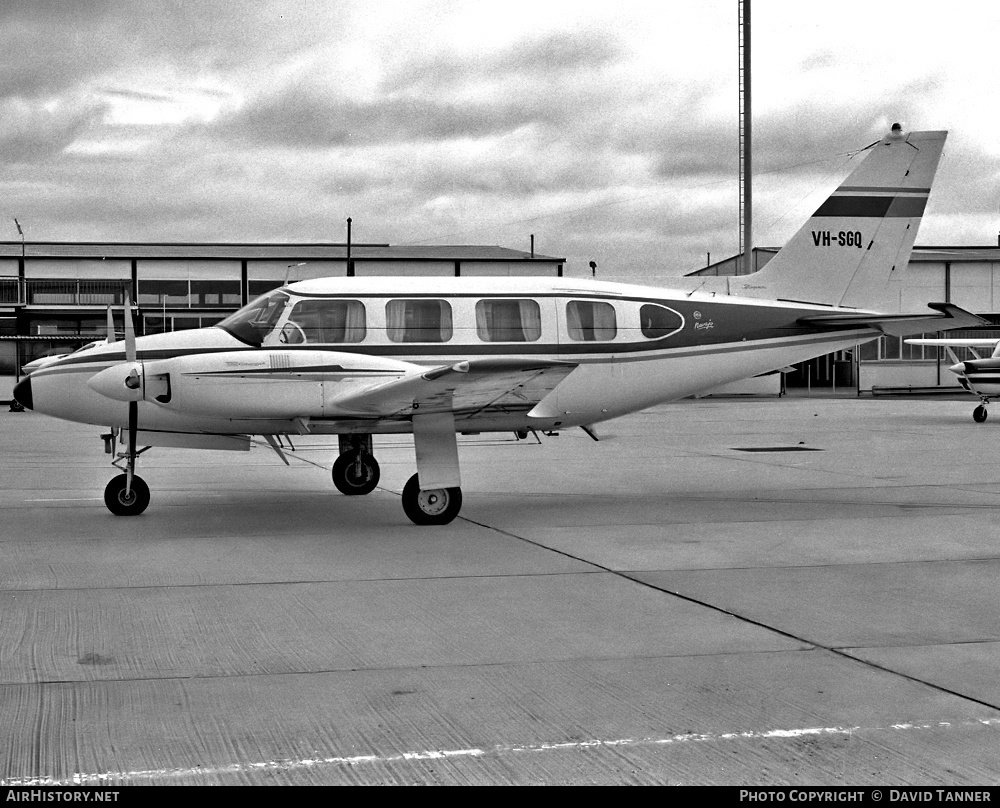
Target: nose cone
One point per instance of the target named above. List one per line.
(22, 393)
(958, 369)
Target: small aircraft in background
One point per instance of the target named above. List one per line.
(359, 357)
(980, 376)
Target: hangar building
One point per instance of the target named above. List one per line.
(54, 295)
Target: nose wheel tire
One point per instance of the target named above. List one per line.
(437, 506)
(355, 473)
(131, 504)
(979, 414)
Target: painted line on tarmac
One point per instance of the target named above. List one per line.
(67, 499)
(124, 777)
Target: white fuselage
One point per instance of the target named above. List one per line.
(281, 368)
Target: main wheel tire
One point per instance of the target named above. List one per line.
(979, 414)
(436, 506)
(355, 473)
(121, 505)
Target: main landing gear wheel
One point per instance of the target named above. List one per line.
(355, 473)
(979, 414)
(437, 506)
(131, 504)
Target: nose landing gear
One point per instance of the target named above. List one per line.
(127, 494)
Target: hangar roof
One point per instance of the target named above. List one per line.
(313, 250)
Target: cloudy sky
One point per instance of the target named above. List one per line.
(606, 129)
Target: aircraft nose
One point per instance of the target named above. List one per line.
(958, 369)
(22, 393)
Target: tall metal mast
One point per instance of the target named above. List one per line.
(746, 165)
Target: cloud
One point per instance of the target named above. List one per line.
(437, 97)
(576, 56)
(608, 131)
(31, 131)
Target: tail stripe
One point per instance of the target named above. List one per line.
(876, 207)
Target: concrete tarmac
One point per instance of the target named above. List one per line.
(757, 591)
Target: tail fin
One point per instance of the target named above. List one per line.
(848, 252)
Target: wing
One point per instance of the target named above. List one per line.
(956, 343)
(466, 389)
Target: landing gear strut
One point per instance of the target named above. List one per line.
(355, 471)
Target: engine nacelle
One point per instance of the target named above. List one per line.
(130, 381)
(262, 384)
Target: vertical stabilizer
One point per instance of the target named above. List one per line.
(850, 249)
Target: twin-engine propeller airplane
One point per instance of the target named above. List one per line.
(438, 356)
(980, 376)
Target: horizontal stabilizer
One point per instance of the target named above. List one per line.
(473, 386)
(898, 325)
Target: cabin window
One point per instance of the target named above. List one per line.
(591, 321)
(325, 321)
(508, 320)
(418, 320)
(657, 322)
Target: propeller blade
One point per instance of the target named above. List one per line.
(129, 331)
(111, 326)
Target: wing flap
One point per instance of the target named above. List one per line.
(467, 387)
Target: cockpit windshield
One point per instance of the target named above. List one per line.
(256, 320)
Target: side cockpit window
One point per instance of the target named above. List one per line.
(657, 322)
(591, 321)
(420, 320)
(508, 320)
(257, 319)
(325, 321)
